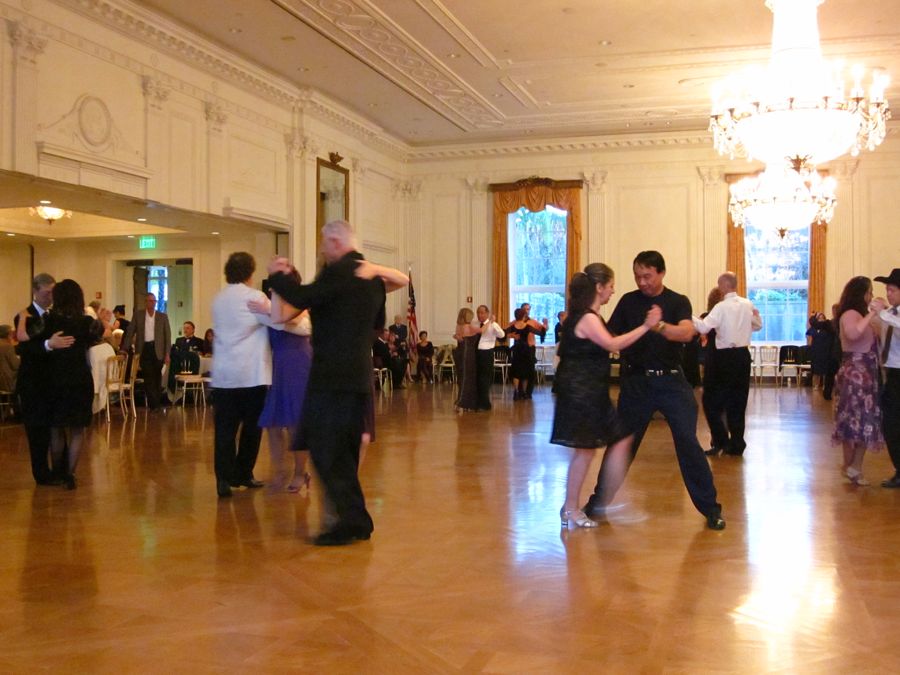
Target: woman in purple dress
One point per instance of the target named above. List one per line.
(281, 414)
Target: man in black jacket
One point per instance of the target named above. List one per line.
(36, 378)
(344, 310)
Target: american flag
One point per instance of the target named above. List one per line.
(411, 316)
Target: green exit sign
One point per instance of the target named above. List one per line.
(147, 242)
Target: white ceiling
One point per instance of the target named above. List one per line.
(96, 214)
(461, 71)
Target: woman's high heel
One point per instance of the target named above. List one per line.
(574, 517)
(298, 483)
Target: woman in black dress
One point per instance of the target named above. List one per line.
(584, 418)
(71, 398)
(521, 355)
(467, 337)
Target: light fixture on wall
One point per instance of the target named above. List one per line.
(783, 198)
(49, 213)
(798, 106)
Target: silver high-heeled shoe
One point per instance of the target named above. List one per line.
(575, 517)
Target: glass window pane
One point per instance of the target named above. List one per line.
(537, 262)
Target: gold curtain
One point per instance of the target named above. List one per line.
(817, 237)
(736, 258)
(534, 194)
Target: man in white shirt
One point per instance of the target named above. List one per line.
(728, 366)
(890, 361)
(241, 375)
(484, 360)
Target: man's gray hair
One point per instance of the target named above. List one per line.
(42, 279)
(340, 230)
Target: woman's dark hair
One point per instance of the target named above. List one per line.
(422, 333)
(519, 313)
(68, 299)
(852, 297)
(239, 267)
(583, 286)
(714, 298)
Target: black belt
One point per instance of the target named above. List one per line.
(650, 372)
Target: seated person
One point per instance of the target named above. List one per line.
(425, 354)
(189, 342)
(9, 361)
(381, 352)
(120, 321)
(208, 337)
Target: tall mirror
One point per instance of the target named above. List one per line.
(333, 189)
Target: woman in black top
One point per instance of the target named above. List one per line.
(584, 418)
(71, 398)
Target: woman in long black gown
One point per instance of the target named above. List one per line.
(467, 337)
(584, 418)
(71, 398)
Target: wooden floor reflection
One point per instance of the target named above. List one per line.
(142, 569)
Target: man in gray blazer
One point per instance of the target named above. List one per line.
(151, 337)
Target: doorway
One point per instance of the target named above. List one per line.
(170, 280)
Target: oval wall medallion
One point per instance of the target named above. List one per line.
(94, 120)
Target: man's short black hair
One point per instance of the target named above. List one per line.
(239, 268)
(650, 259)
(191, 324)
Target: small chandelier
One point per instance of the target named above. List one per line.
(798, 106)
(783, 198)
(49, 213)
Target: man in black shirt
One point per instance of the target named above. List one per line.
(344, 310)
(651, 380)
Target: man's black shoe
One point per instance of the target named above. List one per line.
(50, 481)
(341, 537)
(713, 452)
(715, 521)
(223, 489)
(248, 483)
(734, 453)
(892, 482)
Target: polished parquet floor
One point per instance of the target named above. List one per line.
(142, 569)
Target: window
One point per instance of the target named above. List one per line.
(158, 284)
(778, 282)
(537, 262)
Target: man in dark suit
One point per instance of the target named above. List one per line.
(344, 309)
(150, 335)
(36, 377)
(188, 342)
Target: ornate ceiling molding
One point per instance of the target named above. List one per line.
(360, 28)
(538, 146)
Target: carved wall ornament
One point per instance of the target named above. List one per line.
(27, 44)
(155, 91)
(594, 178)
(711, 175)
(215, 115)
(89, 126)
(407, 190)
(477, 184)
(335, 158)
(360, 168)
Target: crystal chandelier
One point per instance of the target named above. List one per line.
(798, 107)
(49, 213)
(782, 198)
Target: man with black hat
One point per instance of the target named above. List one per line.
(890, 361)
